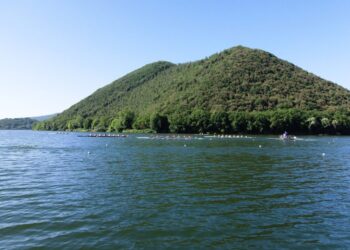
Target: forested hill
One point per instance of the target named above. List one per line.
(17, 123)
(239, 79)
(22, 123)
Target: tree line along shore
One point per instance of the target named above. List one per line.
(200, 121)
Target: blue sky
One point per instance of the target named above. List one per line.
(55, 53)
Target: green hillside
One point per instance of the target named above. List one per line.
(17, 123)
(201, 96)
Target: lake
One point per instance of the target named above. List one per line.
(61, 191)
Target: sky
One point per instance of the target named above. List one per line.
(53, 53)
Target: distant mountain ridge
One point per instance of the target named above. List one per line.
(239, 79)
(16, 123)
(43, 117)
(22, 123)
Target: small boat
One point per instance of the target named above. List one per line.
(288, 137)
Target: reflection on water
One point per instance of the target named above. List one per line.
(64, 191)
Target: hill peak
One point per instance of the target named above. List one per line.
(236, 79)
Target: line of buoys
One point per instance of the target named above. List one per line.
(104, 135)
(227, 136)
(192, 137)
(170, 137)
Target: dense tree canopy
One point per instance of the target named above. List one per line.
(200, 121)
(238, 90)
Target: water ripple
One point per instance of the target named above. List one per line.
(159, 194)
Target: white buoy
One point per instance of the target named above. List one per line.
(185, 145)
(260, 146)
(323, 154)
(88, 152)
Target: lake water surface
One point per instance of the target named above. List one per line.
(61, 191)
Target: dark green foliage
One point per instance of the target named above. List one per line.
(17, 123)
(76, 123)
(237, 90)
(87, 123)
(258, 122)
(199, 121)
(239, 122)
(220, 123)
(101, 124)
(142, 122)
(341, 121)
(123, 120)
(179, 123)
(159, 123)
